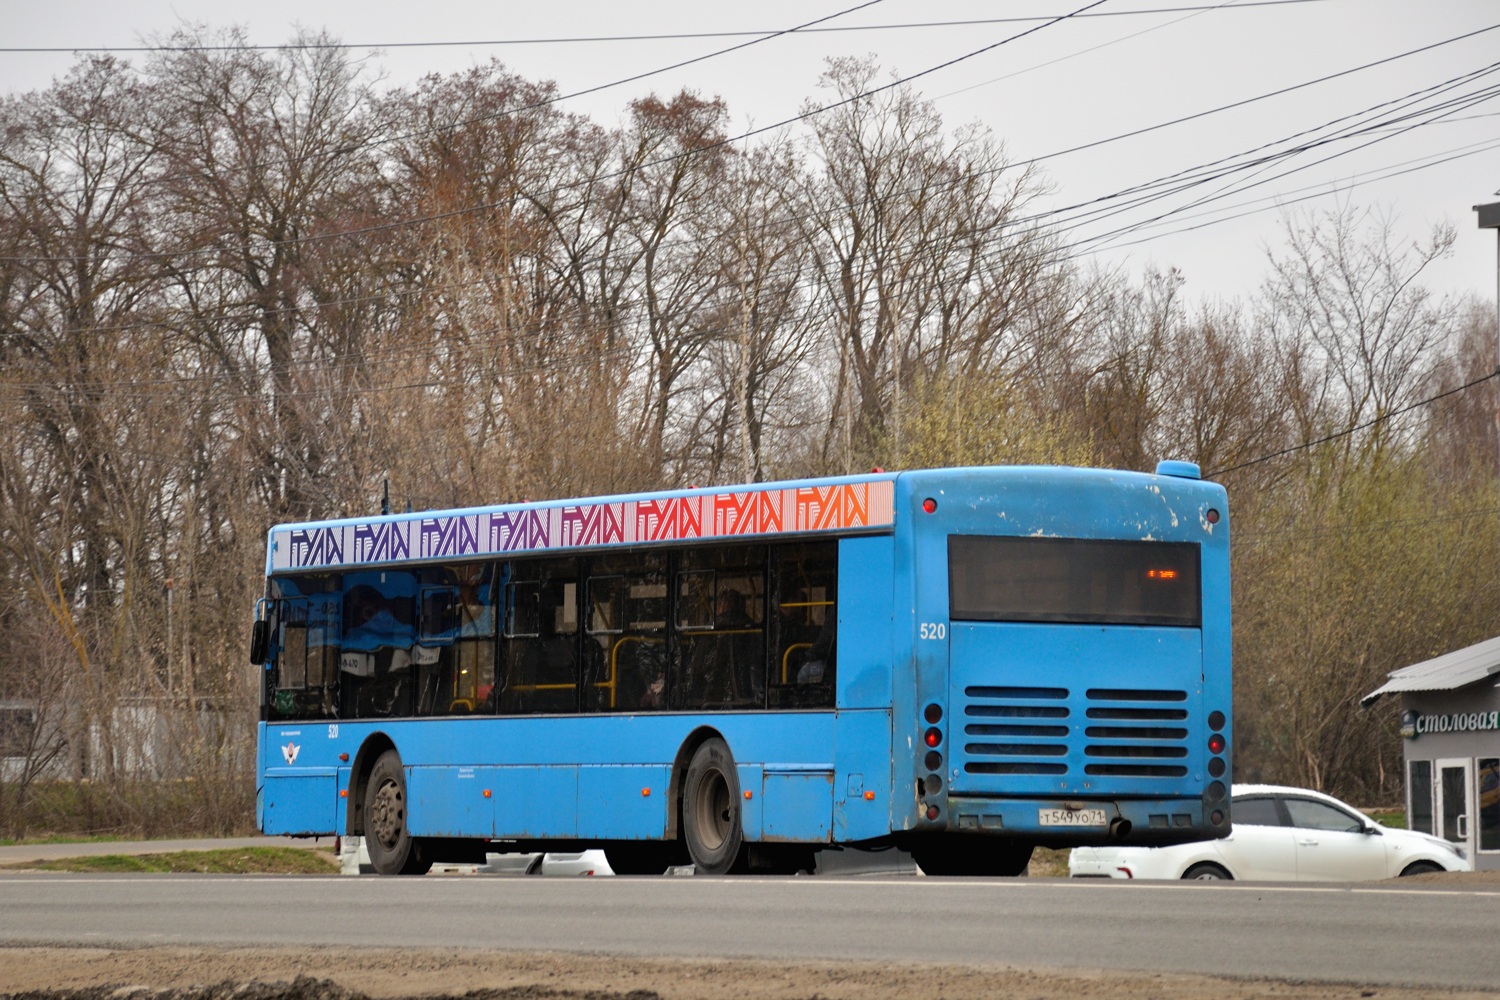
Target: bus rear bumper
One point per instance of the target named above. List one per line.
(1074, 821)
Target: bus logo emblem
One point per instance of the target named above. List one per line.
(290, 752)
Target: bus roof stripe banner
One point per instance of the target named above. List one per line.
(828, 507)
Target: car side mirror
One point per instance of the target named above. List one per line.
(1371, 830)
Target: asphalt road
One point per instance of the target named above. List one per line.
(1389, 934)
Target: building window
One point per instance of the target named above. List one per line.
(1489, 803)
(1419, 793)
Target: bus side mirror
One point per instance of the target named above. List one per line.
(260, 641)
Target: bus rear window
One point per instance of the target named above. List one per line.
(1005, 579)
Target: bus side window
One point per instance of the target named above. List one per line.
(626, 665)
(539, 672)
(306, 675)
(720, 628)
(379, 644)
(474, 644)
(805, 579)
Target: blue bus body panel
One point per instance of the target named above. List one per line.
(1034, 680)
(300, 800)
(796, 805)
(866, 618)
(862, 742)
(1034, 707)
(594, 777)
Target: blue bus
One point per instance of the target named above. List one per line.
(962, 663)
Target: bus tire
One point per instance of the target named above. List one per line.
(961, 854)
(711, 810)
(393, 850)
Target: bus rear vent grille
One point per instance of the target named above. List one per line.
(1025, 730)
(1016, 730)
(1136, 733)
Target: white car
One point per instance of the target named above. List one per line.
(1283, 835)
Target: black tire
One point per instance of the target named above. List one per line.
(393, 851)
(960, 855)
(647, 857)
(1421, 868)
(711, 810)
(1207, 871)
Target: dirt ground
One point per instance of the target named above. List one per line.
(326, 974)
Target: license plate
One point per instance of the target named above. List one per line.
(1070, 817)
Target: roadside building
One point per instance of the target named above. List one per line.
(1450, 724)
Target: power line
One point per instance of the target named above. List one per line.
(1461, 103)
(658, 37)
(695, 151)
(436, 288)
(418, 220)
(1381, 418)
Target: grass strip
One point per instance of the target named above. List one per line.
(228, 861)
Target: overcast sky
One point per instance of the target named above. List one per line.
(1114, 68)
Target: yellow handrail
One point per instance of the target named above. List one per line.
(786, 658)
(612, 682)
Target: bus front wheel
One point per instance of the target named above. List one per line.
(393, 850)
(711, 810)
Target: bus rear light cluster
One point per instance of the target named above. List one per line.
(1218, 743)
(930, 788)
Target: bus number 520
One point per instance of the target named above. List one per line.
(934, 630)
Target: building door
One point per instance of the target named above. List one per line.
(1453, 805)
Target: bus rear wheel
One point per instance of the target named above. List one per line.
(958, 854)
(393, 850)
(711, 810)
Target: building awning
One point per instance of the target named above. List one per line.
(1443, 673)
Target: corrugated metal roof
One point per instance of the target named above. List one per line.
(1444, 673)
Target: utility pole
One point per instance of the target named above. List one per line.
(1489, 218)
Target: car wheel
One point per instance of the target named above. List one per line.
(1421, 868)
(1206, 871)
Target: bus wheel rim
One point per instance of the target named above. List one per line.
(387, 818)
(713, 810)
